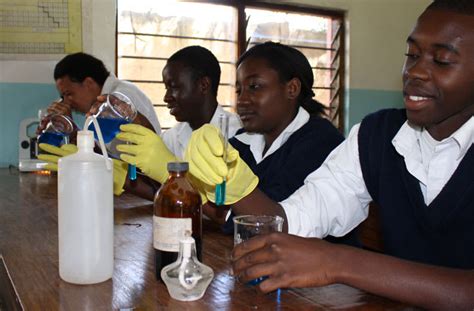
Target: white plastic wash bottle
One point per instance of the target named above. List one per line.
(85, 214)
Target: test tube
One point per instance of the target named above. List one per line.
(224, 127)
(132, 172)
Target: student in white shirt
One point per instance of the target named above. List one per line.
(425, 152)
(83, 81)
(285, 135)
(191, 77)
(80, 78)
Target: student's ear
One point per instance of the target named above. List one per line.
(293, 88)
(204, 84)
(91, 84)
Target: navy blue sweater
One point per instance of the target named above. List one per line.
(441, 233)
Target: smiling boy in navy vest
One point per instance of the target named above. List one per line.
(417, 164)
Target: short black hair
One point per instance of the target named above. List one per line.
(79, 66)
(289, 63)
(202, 63)
(457, 6)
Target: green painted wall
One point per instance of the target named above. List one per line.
(19, 101)
(364, 101)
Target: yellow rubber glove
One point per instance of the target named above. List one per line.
(147, 151)
(206, 164)
(120, 175)
(55, 154)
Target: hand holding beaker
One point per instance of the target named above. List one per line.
(248, 226)
(57, 130)
(56, 107)
(118, 109)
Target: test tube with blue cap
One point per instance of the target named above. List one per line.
(224, 127)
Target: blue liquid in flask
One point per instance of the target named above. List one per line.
(54, 139)
(109, 127)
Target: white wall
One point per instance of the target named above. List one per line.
(377, 31)
(98, 39)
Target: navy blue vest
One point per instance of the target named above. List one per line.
(284, 171)
(441, 233)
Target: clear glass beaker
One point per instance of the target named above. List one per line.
(248, 226)
(57, 130)
(118, 109)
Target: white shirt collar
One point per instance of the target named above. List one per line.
(257, 142)
(464, 136)
(407, 138)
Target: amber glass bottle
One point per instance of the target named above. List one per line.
(177, 209)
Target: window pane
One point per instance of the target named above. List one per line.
(164, 47)
(151, 70)
(319, 58)
(177, 19)
(228, 73)
(335, 112)
(317, 37)
(166, 120)
(288, 28)
(140, 69)
(226, 96)
(323, 96)
(322, 77)
(155, 91)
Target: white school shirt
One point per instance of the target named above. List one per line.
(257, 142)
(138, 98)
(177, 137)
(334, 198)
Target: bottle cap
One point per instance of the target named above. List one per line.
(178, 166)
(85, 140)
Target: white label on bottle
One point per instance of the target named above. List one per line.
(168, 231)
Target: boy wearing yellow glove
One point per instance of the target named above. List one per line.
(147, 151)
(191, 77)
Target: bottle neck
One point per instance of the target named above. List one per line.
(174, 174)
(85, 142)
